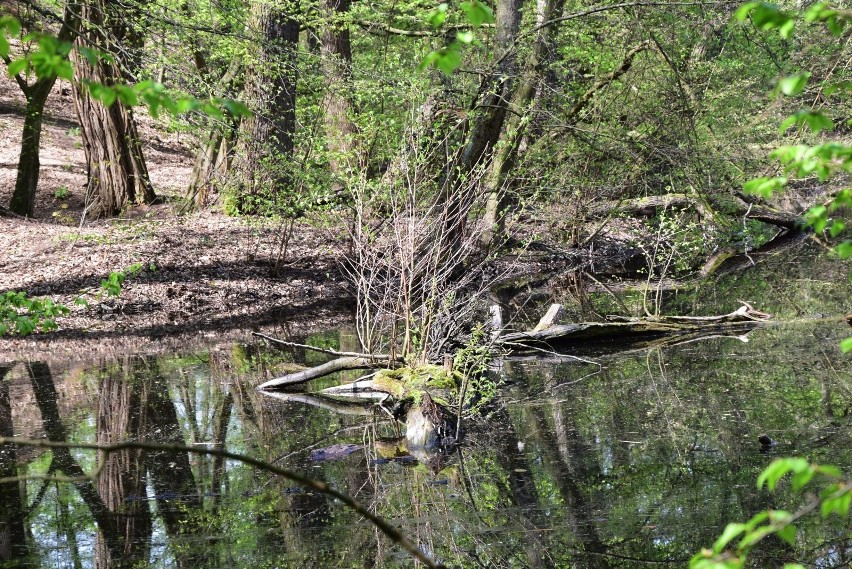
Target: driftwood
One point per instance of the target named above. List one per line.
(631, 331)
(706, 207)
(322, 370)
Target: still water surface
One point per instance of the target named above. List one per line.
(638, 461)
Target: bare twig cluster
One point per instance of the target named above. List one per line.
(416, 263)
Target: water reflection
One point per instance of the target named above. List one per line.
(642, 461)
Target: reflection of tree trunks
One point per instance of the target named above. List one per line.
(121, 484)
(13, 543)
(522, 491)
(171, 472)
(46, 399)
(564, 458)
(220, 426)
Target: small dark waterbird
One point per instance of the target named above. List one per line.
(765, 441)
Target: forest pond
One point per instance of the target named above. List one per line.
(628, 459)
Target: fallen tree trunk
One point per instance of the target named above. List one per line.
(550, 338)
(322, 370)
(706, 207)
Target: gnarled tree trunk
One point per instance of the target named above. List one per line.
(117, 173)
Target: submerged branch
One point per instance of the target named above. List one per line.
(276, 341)
(315, 485)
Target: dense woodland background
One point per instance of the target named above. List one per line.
(554, 103)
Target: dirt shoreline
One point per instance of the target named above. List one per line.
(206, 277)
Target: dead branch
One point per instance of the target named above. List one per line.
(644, 332)
(276, 341)
(340, 364)
(315, 485)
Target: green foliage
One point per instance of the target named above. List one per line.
(470, 365)
(111, 286)
(51, 59)
(61, 193)
(835, 498)
(448, 58)
(23, 316)
(801, 160)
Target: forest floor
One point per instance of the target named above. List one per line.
(204, 275)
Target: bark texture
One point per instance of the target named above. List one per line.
(267, 139)
(117, 173)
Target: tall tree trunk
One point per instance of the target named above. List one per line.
(488, 116)
(505, 158)
(268, 137)
(340, 131)
(23, 198)
(117, 173)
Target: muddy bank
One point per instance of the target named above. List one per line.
(204, 276)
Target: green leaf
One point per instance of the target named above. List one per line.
(778, 468)
(17, 66)
(731, 531)
(743, 11)
(800, 479)
(764, 187)
(465, 37)
(840, 86)
(102, 93)
(788, 534)
(437, 16)
(477, 13)
(818, 121)
(794, 84)
(236, 108)
(846, 345)
(11, 25)
(127, 95)
(837, 504)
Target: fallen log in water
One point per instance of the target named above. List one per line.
(552, 337)
(322, 370)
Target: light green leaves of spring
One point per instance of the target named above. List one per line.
(448, 58)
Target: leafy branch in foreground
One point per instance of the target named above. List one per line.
(52, 59)
(834, 499)
(315, 485)
(825, 160)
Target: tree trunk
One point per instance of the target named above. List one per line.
(523, 101)
(23, 200)
(340, 131)
(268, 137)
(117, 173)
(488, 116)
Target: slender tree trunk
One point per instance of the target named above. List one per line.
(23, 199)
(26, 184)
(337, 70)
(523, 101)
(117, 173)
(268, 137)
(488, 116)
